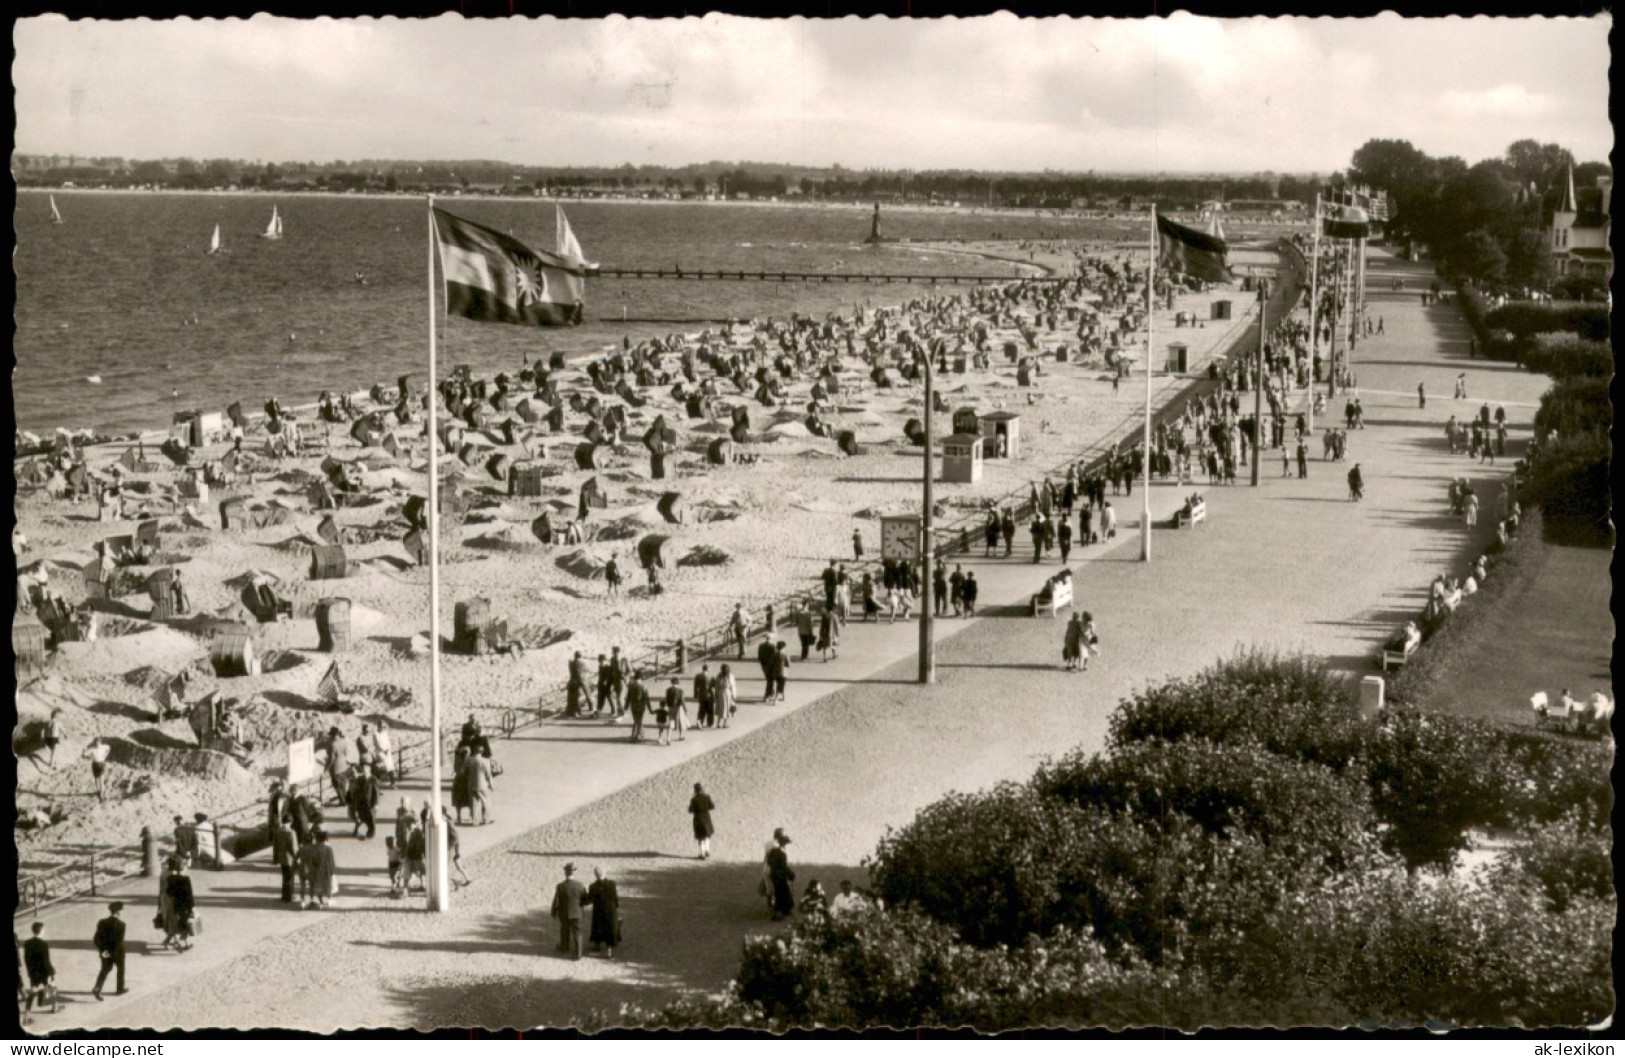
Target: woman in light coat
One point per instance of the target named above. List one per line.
(727, 695)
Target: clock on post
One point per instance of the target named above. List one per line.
(900, 537)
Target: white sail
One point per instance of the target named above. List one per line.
(56, 217)
(273, 230)
(214, 240)
(569, 246)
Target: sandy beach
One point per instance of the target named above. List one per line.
(750, 532)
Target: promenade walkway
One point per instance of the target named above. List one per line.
(857, 747)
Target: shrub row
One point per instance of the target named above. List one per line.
(1245, 852)
(1589, 322)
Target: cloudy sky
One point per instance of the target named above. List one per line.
(1180, 93)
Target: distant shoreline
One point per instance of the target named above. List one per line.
(755, 203)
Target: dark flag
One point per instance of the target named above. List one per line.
(1347, 222)
(495, 278)
(1191, 252)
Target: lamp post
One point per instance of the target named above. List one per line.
(1258, 382)
(928, 655)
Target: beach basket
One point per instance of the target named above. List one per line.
(499, 467)
(594, 432)
(914, 432)
(330, 530)
(652, 551)
(28, 645)
(670, 506)
(234, 514)
(469, 621)
(416, 544)
(542, 528)
(469, 454)
(146, 534)
(719, 452)
(333, 625)
(526, 409)
(158, 590)
(525, 479)
(232, 652)
(847, 442)
(587, 456)
(593, 497)
(328, 562)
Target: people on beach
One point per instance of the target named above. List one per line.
(700, 806)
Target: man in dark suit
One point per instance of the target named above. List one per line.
(568, 897)
(781, 665)
(285, 854)
(765, 655)
(606, 913)
(41, 974)
(109, 941)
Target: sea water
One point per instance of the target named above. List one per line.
(125, 290)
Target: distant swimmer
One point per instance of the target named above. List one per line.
(291, 336)
(361, 277)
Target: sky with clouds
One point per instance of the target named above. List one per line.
(1170, 94)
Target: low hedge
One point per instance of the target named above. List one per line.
(1565, 356)
(1522, 320)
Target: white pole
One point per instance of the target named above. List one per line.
(1314, 304)
(438, 883)
(1150, 342)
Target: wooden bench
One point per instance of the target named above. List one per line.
(1056, 594)
(1188, 517)
(1394, 659)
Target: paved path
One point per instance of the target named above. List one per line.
(858, 746)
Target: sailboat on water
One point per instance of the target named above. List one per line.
(273, 230)
(214, 240)
(56, 215)
(568, 246)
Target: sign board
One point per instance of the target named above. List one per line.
(1257, 271)
(301, 760)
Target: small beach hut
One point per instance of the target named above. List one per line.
(1178, 358)
(333, 625)
(962, 458)
(1003, 430)
(1220, 310)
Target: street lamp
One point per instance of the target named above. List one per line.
(928, 656)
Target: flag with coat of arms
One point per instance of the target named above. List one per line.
(495, 278)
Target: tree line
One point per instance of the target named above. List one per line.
(1485, 222)
(1050, 189)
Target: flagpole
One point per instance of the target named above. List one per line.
(1150, 343)
(438, 883)
(1314, 304)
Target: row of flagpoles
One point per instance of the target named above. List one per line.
(491, 277)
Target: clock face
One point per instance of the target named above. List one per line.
(900, 538)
